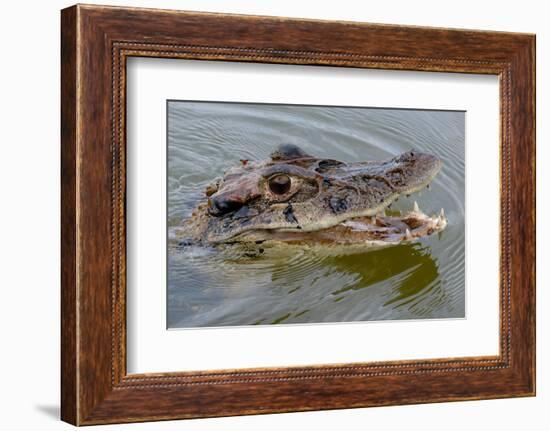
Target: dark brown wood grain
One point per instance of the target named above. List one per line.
(95, 42)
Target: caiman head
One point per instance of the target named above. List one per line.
(294, 196)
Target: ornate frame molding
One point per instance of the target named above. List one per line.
(96, 41)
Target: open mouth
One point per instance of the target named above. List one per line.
(391, 228)
(386, 228)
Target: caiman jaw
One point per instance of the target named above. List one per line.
(378, 230)
(391, 229)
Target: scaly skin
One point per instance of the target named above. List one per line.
(295, 197)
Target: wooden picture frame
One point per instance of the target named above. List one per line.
(95, 43)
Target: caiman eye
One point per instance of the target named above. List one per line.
(279, 184)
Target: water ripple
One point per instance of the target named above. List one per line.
(207, 287)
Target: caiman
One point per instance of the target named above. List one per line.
(294, 197)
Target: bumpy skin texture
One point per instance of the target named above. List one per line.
(294, 192)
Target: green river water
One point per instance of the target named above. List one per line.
(293, 285)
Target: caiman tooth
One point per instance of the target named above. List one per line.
(440, 218)
(408, 234)
(416, 209)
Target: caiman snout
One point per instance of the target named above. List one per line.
(295, 195)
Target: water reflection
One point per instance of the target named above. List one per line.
(414, 264)
(291, 285)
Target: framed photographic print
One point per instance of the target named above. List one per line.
(264, 214)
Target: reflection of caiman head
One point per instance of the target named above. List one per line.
(295, 197)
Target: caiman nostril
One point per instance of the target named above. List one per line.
(221, 205)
